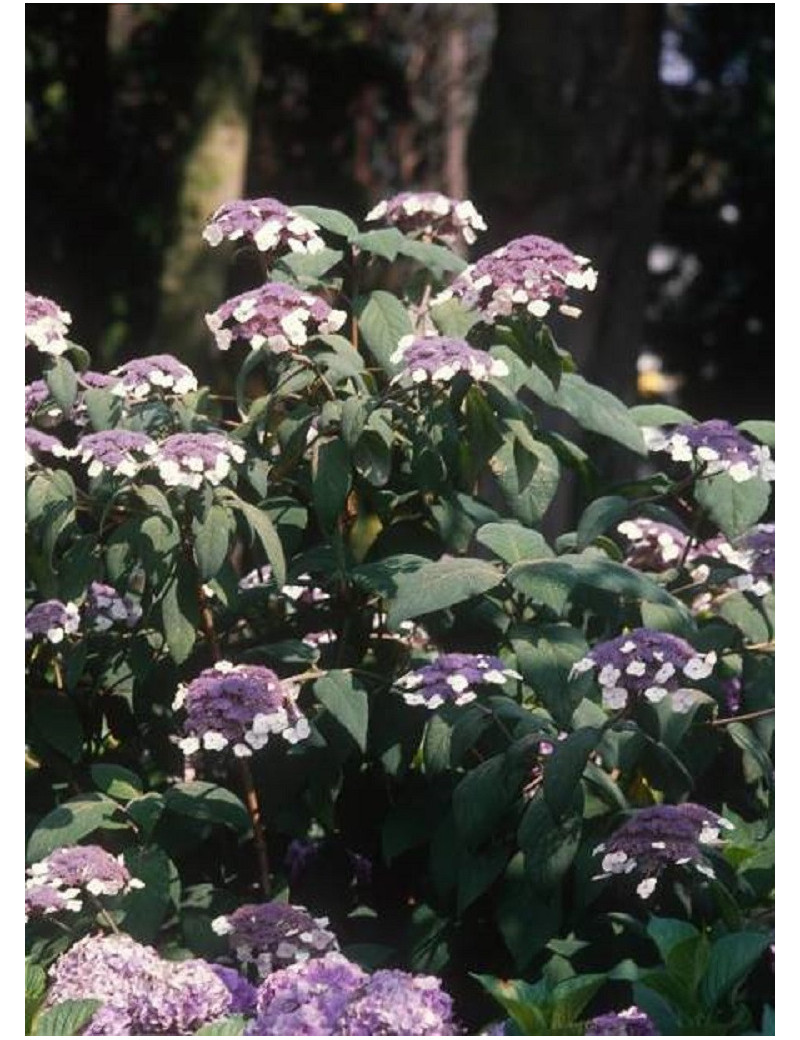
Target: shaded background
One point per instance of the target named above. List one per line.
(639, 134)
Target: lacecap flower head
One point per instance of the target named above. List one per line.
(52, 620)
(272, 227)
(646, 664)
(106, 608)
(120, 452)
(41, 447)
(240, 706)
(452, 678)
(630, 1022)
(437, 359)
(715, 445)
(42, 899)
(652, 545)
(752, 552)
(429, 214)
(275, 316)
(190, 459)
(46, 325)
(142, 377)
(658, 837)
(84, 868)
(274, 935)
(527, 276)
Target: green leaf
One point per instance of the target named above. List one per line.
(332, 481)
(117, 782)
(264, 530)
(232, 1026)
(598, 517)
(208, 802)
(329, 220)
(549, 845)
(520, 1000)
(512, 542)
(527, 918)
(309, 268)
(452, 318)
(436, 258)
(383, 321)
(69, 822)
(347, 701)
(737, 609)
(63, 383)
(545, 655)
(66, 1019)
(35, 986)
(58, 723)
(146, 811)
(211, 540)
(144, 909)
(733, 957)
(734, 507)
(571, 996)
(477, 871)
(372, 458)
(564, 769)
(386, 242)
(763, 430)
(527, 495)
(440, 584)
(103, 407)
(668, 932)
(179, 615)
(658, 415)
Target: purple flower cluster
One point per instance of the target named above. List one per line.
(651, 544)
(437, 359)
(299, 593)
(42, 899)
(121, 452)
(715, 444)
(239, 705)
(631, 1022)
(430, 215)
(753, 553)
(274, 228)
(52, 620)
(274, 935)
(649, 664)
(276, 316)
(242, 991)
(37, 394)
(141, 994)
(522, 277)
(46, 325)
(39, 445)
(140, 378)
(188, 459)
(331, 996)
(451, 678)
(83, 867)
(658, 837)
(106, 608)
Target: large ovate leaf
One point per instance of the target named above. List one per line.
(383, 321)
(70, 822)
(347, 701)
(329, 220)
(734, 507)
(211, 803)
(732, 959)
(442, 583)
(68, 1018)
(565, 768)
(512, 542)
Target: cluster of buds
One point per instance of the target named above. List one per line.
(270, 936)
(139, 379)
(192, 459)
(451, 679)
(52, 620)
(713, 447)
(430, 215)
(105, 608)
(437, 359)
(273, 228)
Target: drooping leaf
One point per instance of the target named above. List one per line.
(200, 800)
(442, 583)
(383, 321)
(65, 1019)
(346, 699)
(734, 507)
(70, 822)
(329, 219)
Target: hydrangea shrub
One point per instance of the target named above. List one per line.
(329, 732)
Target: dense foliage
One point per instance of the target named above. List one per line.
(313, 704)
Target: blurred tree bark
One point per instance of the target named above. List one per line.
(568, 144)
(226, 75)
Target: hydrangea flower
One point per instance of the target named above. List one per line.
(188, 459)
(331, 996)
(106, 608)
(274, 228)
(451, 678)
(239, 705)
(651, 544)
(431, 215)
(42, 899)
(752, 552)
(658, 837)
(37, 394)
(526, 276)
(716, 445)
(141, 377)
(84, 867)
(241, 990)
(39, 444)
(630, 1022)
(52, 620)
(276, 316)
(301, 592)
(46, 325)
(121, 452)
(90, 380)
(274, 935)
(649, 664)
(141, 994)
(437, 359)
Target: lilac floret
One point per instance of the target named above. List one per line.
(52, 620)
(39, 445)
(189, 459)
(46, 325)
(658, 837)
(437, 359)
(275, 316)
(646, 664)
(651, 544)
(43, 899)
(273, 935)
(121, 452)
(270, 225)
(106, 608)
(430, 215)
(451, 678)
(394, 1003)
(139, 378)
(238, 705)
(141, 994)
(242, 992)
(524, 277)
(37, 393)
(631, 1022)
(715, 445)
